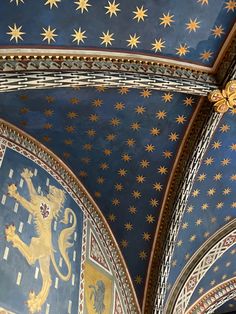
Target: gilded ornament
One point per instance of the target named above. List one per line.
(224, 99)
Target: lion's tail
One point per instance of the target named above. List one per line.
(64, 244)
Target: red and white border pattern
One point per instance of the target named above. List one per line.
(200, 270)
(214, 298)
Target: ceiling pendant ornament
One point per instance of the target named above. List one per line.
(225, 99)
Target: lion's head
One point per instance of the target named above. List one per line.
(57, 198)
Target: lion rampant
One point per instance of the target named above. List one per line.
(44, 209)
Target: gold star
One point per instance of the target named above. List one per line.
(138, 280)
(142, 255)
(118, 187)
(150, 219)
(15, 33)
(145, 93)
(100, 180)
(140, 179)
(93, 117)
(219, 205)
(97, 103)
(218, 31)
(153, 202)
(157, 186)
(226, 191)
(91, 132)
(161, 115)
(115, 122)
(48, 112)
(52, 3)
(124, 243)
(112, 217)
(166, 19)
(104, 166)
(158, 45)
(82, 5)
(107, 38)
(79, 36)
(47, 126)
(144, 163)
(149, 148)
(217, 176)
(107, 152)
(112, 8)
(230, 5)
(122, 172)
(192, 25)
(198, 222)
(201, 177)
(132, 210)
(204, 206)
(167, 154)
(233, 147)
(182, 50)
(193, 238)
(136, 194)
(185, 226)
(128, 226)
(195, 193)
(135, 126)
(224, 128)
(209, 161)
(49, 34)
(225, 162)
(188, 101)
(146, 236)
(155, 131)
(140, 109)
(173, 137)
(213, 220)
(110, 137)
(126, 157)
(180, 119)
(206, 55)
(179, 243)
(74, 101)
(133, 41)
(119, 106)
(233, 205)
(17, 1)
(233, 177)
(101, 88)
(190, 209)
(115, 202)
(130, 142)
(216, 145)
(72, 115)
(162, 170)
(203, 2)
(140, 13)
(167, 97)
(211, 192)
(85, 160)
(87, 147)
(123, 90)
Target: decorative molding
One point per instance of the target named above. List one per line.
(11, 81)
(21, 142)
(214, 298)
(176, 196)
(198, 264)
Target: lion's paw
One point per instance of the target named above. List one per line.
(10, 232)
(12, 190)
(34, 303)
(26, 174)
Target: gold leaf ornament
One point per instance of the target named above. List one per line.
(224, 99)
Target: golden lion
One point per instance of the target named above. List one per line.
(44, 209)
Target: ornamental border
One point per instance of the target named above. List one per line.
(214, 298)
(29, 147)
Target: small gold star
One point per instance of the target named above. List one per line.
(180, 119)
(52, 3)
(112, 8)
(145, 93)
(93, 117)
(182, 50)
(115, 122)
(211, 192)
(49, 34)
(97, 103)
(122, 172)
(72, 115)
(167, 154)
(233, 147)
(149, 148)
(142, 255)
(15, 33)
(225, 162)
(153, 202)
(91, 132)
(110, 137)
(17, 1)
(144, 163)
(146, 236)
(166, 19)
(203, 2)
(130, 142)
(161, 114)
(158, 45)
(209, 161)
(230, 5)
(216, 145)
(135, 126)
(201, 177)
(107, 38)
(82, 5)
(157, 186)
(217, 176)
(128, 226)
(192, 25)
(140, 109)
(104, 166)
(124, 243)
(136, 194)
(123, 90)
(218, 31)
(79, 36)
(155, 131)
(167, 97)
(133, 41)
(132, 210)
(173, 137)
(140, 13)
(112, 217)
(138, 280)
(162, 170)
(224, 128)
(206, 55)
(195, 193)
(119, 106)
(188, 101)
(150, 218)
(126, 157)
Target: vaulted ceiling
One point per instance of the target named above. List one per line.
(130, 134)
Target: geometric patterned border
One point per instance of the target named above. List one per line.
(30, 148)
(214, 298)
(200, 270)
(22, 80)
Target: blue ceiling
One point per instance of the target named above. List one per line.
(121, 144)
(193, 31)
(212, 202)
